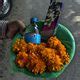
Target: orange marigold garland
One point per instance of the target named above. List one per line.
(45, 57)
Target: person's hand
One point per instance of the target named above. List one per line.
(14, 27)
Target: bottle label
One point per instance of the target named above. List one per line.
(33, 38)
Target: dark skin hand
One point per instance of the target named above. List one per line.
(14, 27)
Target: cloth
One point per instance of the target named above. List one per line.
(3, 29)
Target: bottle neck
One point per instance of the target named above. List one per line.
(36, 29)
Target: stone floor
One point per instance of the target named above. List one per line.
(24, 10)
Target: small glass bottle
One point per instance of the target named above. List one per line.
(34, 35)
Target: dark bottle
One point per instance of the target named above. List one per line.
(51, 20)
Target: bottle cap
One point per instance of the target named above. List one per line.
(34, 20)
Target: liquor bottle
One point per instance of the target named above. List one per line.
(51, 20)
(33, 36)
